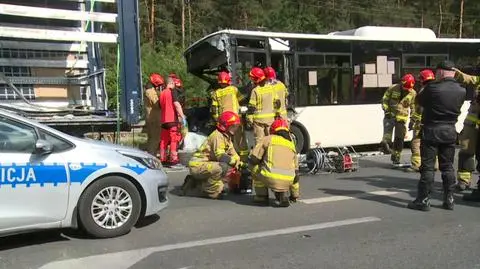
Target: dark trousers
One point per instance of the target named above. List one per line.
(438, 140)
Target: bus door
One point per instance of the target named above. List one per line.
(283, 62)
(245, 60)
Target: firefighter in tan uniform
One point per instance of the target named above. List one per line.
(405, 106)
(469, 135)
(261, 105)
(281, 93)
(415, 124)
(274, 166)
(152, 112)
(390, 99)
(213, 159)
(227, 98)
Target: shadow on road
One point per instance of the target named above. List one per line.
(57, 235)
(397, 184)
(31, 239)
(240, 199)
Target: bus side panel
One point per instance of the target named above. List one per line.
(350, 124)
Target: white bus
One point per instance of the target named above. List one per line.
(336, 80)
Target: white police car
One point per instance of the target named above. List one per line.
(52, 180)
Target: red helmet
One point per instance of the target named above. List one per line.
(278, 125)
(178, 83)
(426, 75)
(270, 72)
(408, 81)
(227, 119)
(224, 78)
(156, 79)
(172, 75)
(257, 75)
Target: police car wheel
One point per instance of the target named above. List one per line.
(109, 207)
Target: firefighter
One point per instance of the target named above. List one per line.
(228, 98)
(402, 110)
(261, 104)
(215, 157)
(172, 113)
(415, 124)
(281, 92)
(274, 166)
(152, 112)
(389, 100)
(469, 134)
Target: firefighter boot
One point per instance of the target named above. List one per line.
(188, 184)
(461, 186)
(245, 183)
(385, 147)
(422, 202)
(282, 199)
(448, 200)
(395, 157)
(474, 196)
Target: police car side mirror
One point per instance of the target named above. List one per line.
(43, 147)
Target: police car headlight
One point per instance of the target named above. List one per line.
(150, 162)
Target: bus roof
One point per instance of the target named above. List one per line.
(366, 33)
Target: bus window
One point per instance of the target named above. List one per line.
(334, 79)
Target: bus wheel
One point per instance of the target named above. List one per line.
(298, 138)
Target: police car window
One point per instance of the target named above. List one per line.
(16, 137)
(58, 144)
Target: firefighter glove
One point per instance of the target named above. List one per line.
(242, 165)
(184, 121)
(277, 104)
(225, 167)
(297, 177)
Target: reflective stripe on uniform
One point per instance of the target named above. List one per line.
(263, 115)
(464, 176)
(401, 118)
(243, 152)
(219, 100)
(268, 170)
(416, 116)
(260, 92)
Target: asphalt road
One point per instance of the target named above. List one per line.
(351, 220)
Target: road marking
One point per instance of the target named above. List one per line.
(350, 197)
(126, 259)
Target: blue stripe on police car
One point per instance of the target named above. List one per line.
(41, 174)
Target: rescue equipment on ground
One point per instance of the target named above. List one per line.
(339, 160)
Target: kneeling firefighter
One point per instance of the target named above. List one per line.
(215, 157)
(274, 166)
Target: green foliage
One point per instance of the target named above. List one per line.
(162, 59)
